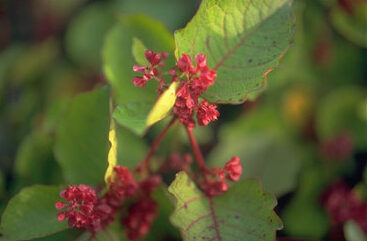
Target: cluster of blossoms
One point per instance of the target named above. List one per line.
(215, 182)
(81, 205)
(153, 71)
(83, 209)
(343, 204)
(194, 80)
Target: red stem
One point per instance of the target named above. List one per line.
(154, 146)
(198, 156)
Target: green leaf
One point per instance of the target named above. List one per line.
(243, 213)
(138, 51)
(138, 116)
(82, 138)
(36, 151)
(343, 110)
(133, 116)
(32, 214)
(131, 149)
(84, 37)
(173, 14)
(118, 59)
(353, 232)
(243, 40)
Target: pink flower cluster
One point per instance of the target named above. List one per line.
(198, 79)
(232, 171)
(343, 204)
(153, 71)
(83, 209)
(194, 81)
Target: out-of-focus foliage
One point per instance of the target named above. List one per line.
(307, 130)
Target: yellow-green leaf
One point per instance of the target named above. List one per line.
(112, 154)
(163, 105)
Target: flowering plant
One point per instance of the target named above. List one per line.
(147, 152)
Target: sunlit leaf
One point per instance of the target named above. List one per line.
(244, 42)
(112, 153)
(163, 105)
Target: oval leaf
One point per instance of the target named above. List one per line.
(82, 138)
(118, 58)
(32, 214)
(243, 40)
(139, 116)
(163, 105)
(243, 213)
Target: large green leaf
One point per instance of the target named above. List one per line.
(118, 58)
(243, 213)
(32, 214)
(244, 41)
(82, 138)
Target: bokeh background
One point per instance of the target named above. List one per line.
(305, 136)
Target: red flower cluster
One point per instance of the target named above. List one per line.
(152, 71)
(85, 210)
(232, 171)
(342, 204)
(139, 218)
(198, 79)
(194, 81)
(79, 206)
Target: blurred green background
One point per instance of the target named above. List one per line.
(307, 130)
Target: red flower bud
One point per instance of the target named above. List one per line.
(234, 169)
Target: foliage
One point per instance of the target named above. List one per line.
(106, 112)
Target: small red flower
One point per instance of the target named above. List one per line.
(152, 71)
(184, 64)
(79, 204)
(233, 169)
(214, 188)
(206, 113)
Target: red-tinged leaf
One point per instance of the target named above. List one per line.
(244, 213)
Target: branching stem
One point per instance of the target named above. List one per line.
(145, 164)
(198, 156)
